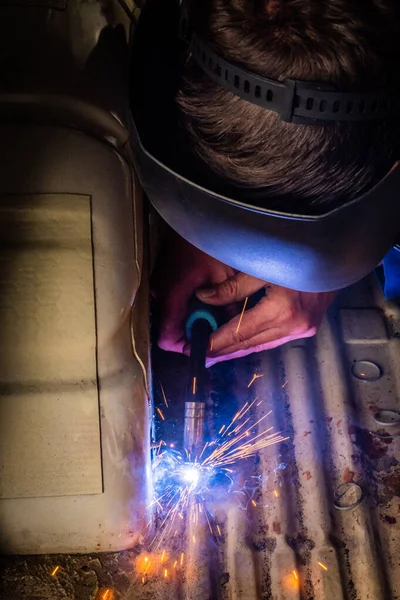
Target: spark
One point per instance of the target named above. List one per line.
(231, 450)
(106, 594)
(181, 483)
(147, 568)
(165, 573)
(156, 501)
(175, 563)
(159, 446)
(211, 345)
(239, 427)
(163, 395)
(181, 559)
(236, 417)
(252, 380)
(243, 412)
(55, 571)
(143, 580)
(219, 530)
(202, 452)
(295, 575)
(146, 559)
(255, 376)
(322, 566)
(276, 494)
(241, 316)
(160, 413)
(240, 414)
(284, 385)
(194, 385)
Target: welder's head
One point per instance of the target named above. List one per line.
(352, 45)
(261, 136)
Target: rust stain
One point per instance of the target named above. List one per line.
(338, 423)
(276, 526)
(371, 446)
(373, 408)
(348, 476)
(392, 483)
(307, 475)
(302, 546)
(387, 440)
(388, 519)
(306, 433)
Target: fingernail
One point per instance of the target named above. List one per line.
(206, 293)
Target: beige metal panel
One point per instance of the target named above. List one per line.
(56, 160)
(67, 68)
(49, 406)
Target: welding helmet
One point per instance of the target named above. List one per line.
(312, 253)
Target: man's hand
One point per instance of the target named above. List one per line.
(282, 315)
(180, 270)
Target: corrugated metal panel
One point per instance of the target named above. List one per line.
(293, 544)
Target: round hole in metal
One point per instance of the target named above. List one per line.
(366, 370)
(387, 417)
(347, 496)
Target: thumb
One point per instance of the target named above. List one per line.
(233, 289)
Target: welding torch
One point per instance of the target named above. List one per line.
(203, 320)
(201, 323)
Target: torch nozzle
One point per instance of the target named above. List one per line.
(193, 436)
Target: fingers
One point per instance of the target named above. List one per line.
(181, 269)
(282, 317)
(240, 330)
(265, 341)
(223, 347)
(233, 289)
(274, 343)
(243, 327)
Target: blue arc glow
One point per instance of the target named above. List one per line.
(190, 474)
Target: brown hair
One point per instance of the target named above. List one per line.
(351, 43)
